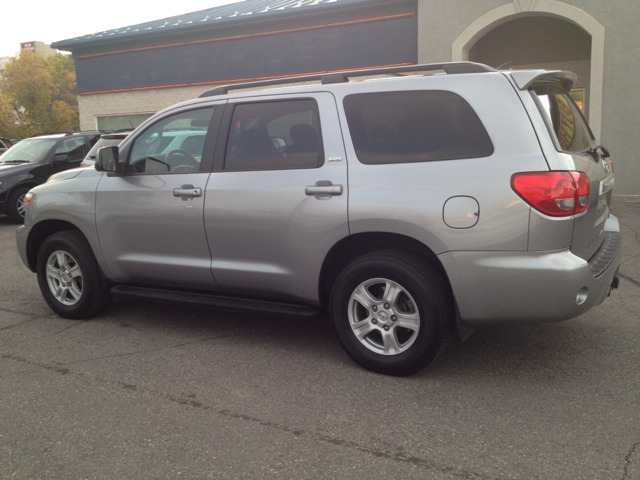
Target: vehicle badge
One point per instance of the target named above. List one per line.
(605, 165)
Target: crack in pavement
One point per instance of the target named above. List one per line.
(30, 318)
(70, 326)
(19, 323)
(190, 401)
(629, 279)
(629, 259)
(177, 345)
(634, 231)
(627, 460)
(10, 310)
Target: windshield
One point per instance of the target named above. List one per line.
(568, 128)
(29, 151)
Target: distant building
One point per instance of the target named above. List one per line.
(39, 48)
(127, 74)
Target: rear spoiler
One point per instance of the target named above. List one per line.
(526, 78)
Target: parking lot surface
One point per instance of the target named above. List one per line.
(150, 391)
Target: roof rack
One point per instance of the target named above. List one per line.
(69, 132)
(343, 77)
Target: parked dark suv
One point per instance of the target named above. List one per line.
(32, 161)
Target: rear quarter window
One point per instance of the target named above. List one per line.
(414, 126)
(566, 124)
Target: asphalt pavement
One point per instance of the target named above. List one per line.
(149, 391)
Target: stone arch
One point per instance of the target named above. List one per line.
(554, 8)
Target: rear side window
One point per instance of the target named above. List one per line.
(568, 128)
(278, 135)
(414, 126)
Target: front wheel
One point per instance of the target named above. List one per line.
(69, 276)
(392, 312)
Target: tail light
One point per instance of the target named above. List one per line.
(558, 194)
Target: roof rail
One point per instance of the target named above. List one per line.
(343, 77)
(68, 133)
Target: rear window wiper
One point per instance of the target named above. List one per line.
(594, 151)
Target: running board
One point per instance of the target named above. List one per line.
(218, 301)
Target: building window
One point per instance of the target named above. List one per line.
(118, 122)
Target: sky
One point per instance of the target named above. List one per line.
(50, 21)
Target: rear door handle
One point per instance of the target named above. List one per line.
(187, 191)
(323, 189)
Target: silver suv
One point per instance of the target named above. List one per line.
(409, 205)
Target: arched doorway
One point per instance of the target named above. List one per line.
(540, 42)
(541, 34)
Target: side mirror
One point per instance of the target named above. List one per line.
(107, 160)
(61, 158)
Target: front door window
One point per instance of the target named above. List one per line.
(173, 145)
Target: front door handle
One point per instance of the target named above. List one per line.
(323, 190)
(187, 191)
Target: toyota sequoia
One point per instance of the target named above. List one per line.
(407, 203)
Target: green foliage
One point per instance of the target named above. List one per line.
(38, 95)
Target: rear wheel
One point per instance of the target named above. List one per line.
(392, 312)
(16, 206)
(69, 276)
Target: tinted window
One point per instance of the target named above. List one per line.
(568, 128)
(174, 144)
(74, 148)
(93, 140)
(414, 126)
(275, 136)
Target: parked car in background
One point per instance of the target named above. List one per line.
(436, 199)
(106, 140)
(33, 160)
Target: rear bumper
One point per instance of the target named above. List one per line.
(517, 287)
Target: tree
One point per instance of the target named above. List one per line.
(38, 95)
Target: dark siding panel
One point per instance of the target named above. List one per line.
(374, 43)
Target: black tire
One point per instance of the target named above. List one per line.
(15, 205)
(69, 276)
(399, 335)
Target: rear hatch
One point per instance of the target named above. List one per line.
(576, 148)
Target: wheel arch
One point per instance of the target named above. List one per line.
(39, 232)
(356, 245)
(29, 183)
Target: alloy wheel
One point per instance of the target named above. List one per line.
(383, 316)
(64, 277)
